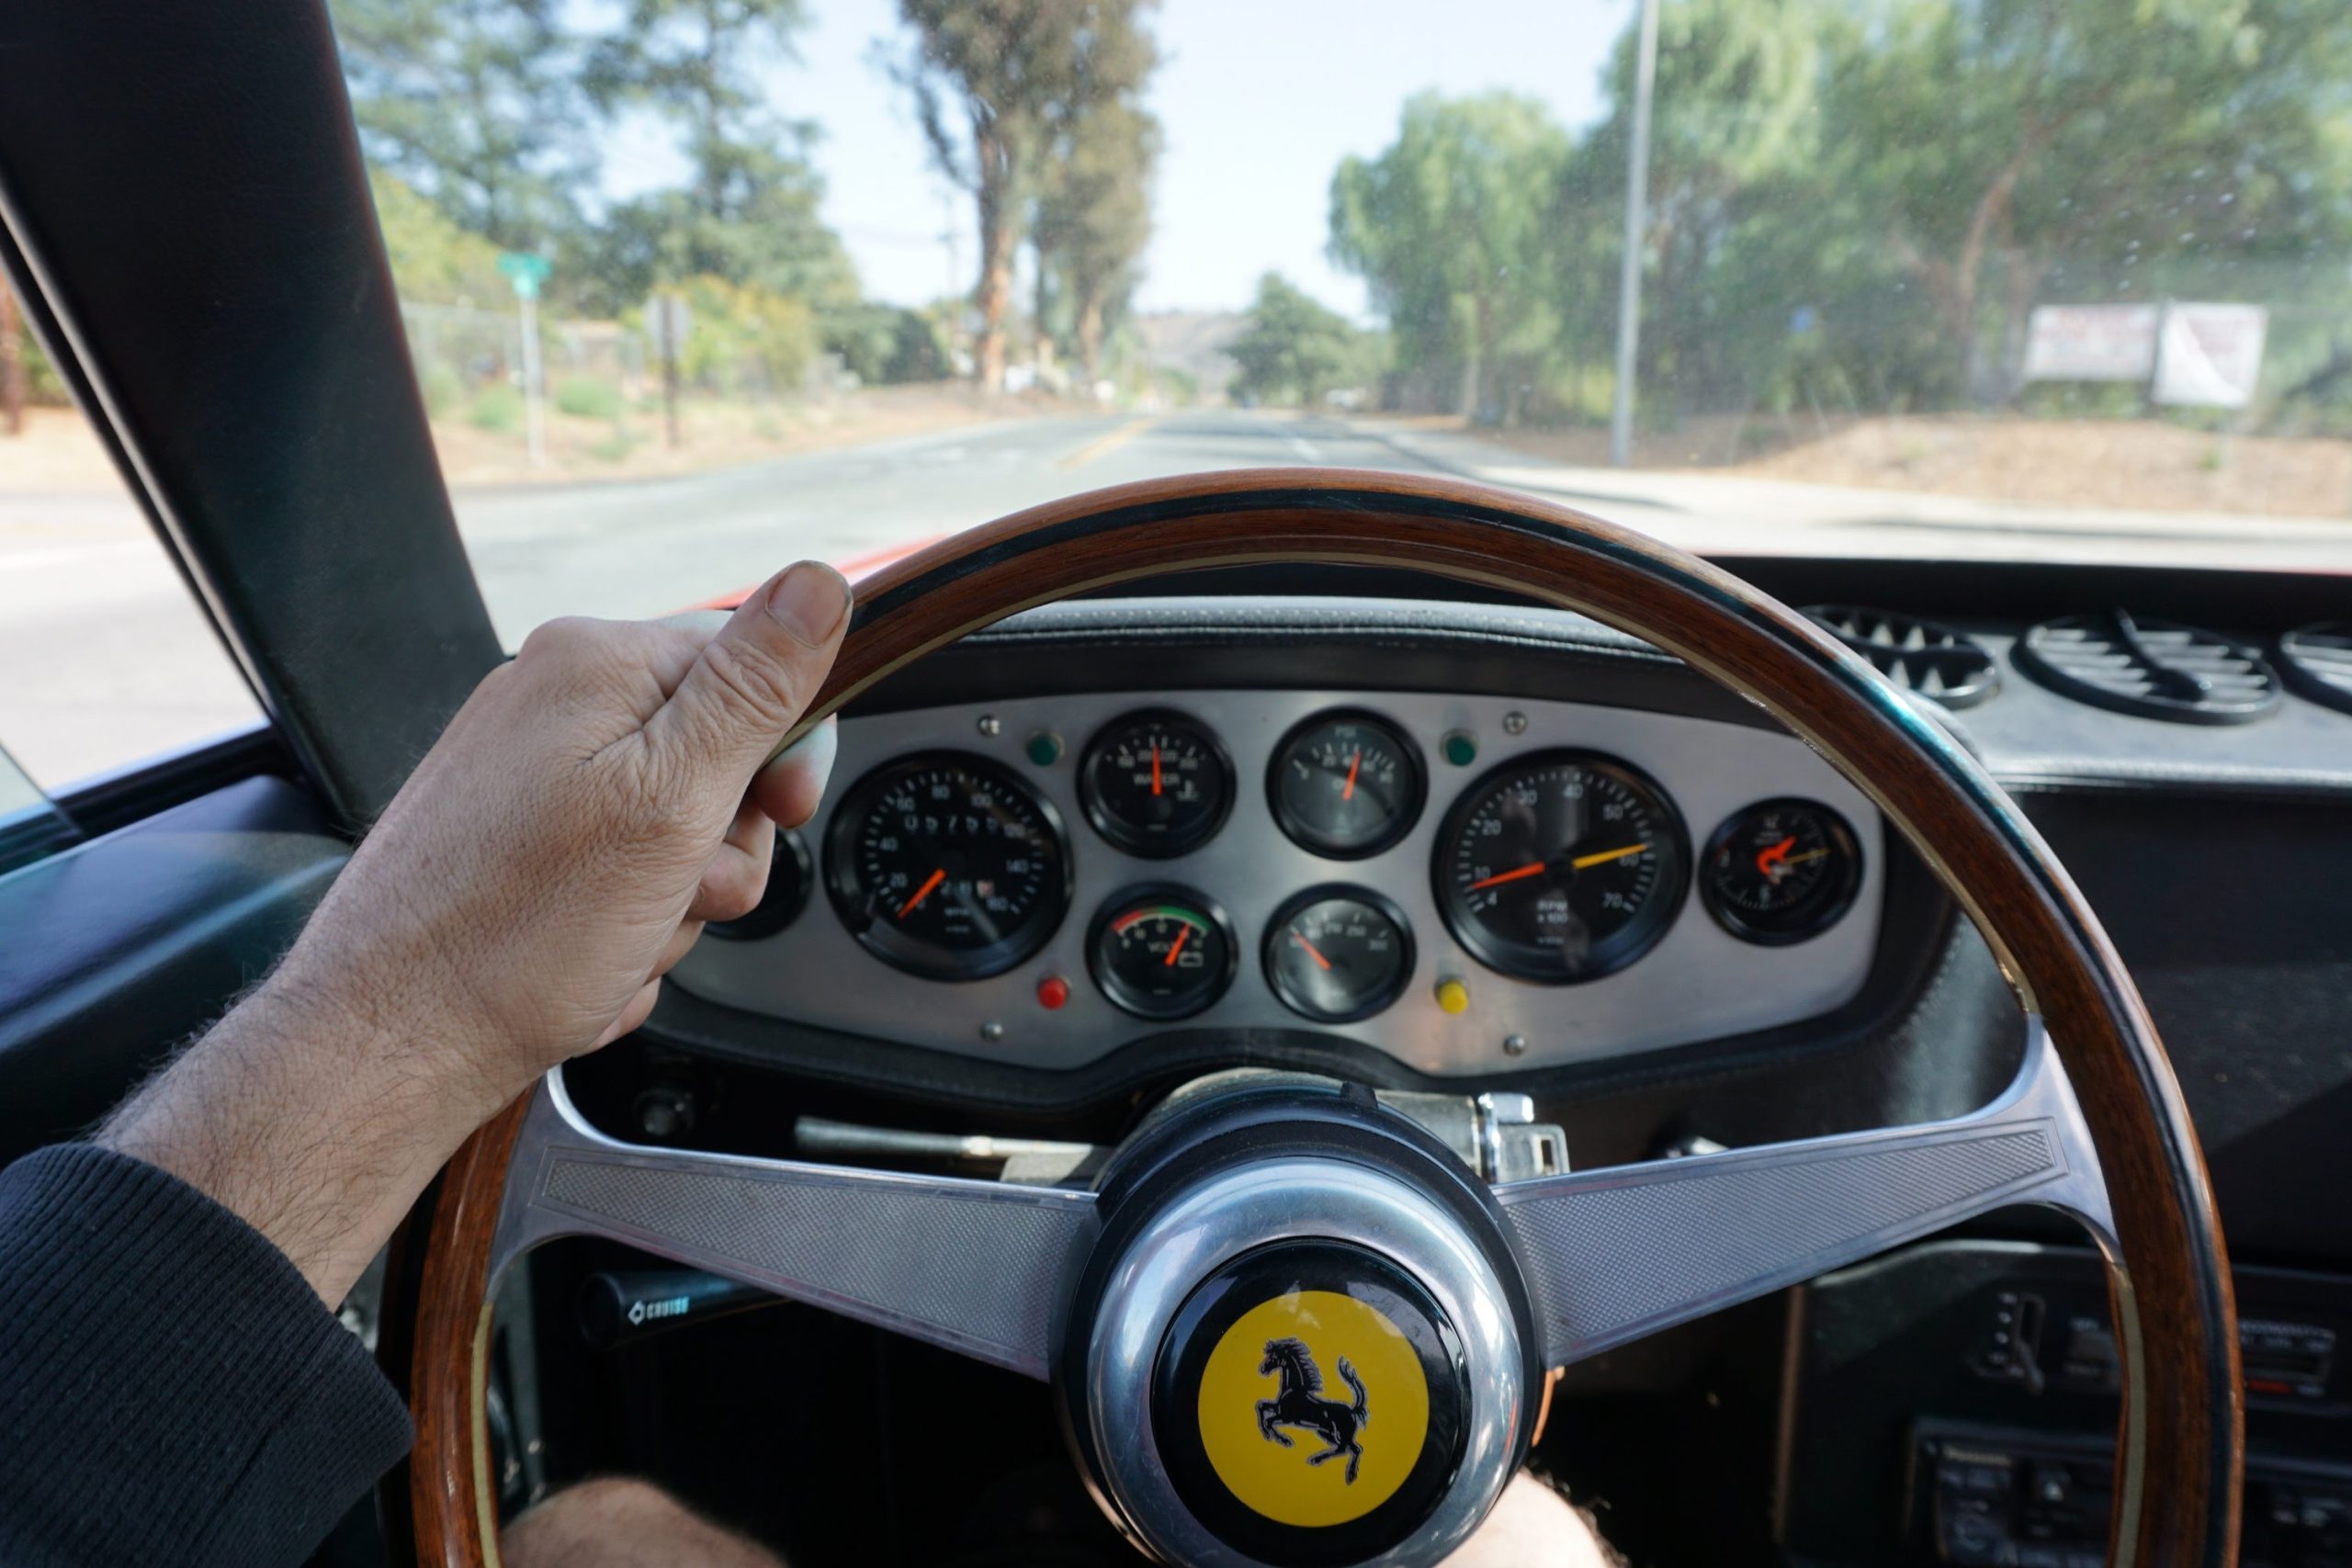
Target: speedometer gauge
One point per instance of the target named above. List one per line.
(947, 865)
(1561, 867)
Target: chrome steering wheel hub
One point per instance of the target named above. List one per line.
(1301, 1339)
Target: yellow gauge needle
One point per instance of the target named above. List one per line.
(1603, 857)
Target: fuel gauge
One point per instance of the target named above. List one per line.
(1780, 872)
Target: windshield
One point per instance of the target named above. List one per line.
(696, 286)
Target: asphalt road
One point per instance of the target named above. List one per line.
(105, 660)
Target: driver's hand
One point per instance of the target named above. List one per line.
(594, 803)
(558, 849)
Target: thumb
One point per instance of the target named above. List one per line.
(753, 680)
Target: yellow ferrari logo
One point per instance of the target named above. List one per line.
(1314, 1408)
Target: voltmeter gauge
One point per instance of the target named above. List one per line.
(1162, 952)
(1156, 784)
(1780, 872)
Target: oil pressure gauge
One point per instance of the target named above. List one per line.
(1780, 872)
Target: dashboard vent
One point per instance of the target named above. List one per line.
(2319, 661)
(2153, 669)
(1918, 656)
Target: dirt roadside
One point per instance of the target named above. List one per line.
(2135, 464)
(59, 454)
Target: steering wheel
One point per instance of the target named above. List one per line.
(1291, 1263)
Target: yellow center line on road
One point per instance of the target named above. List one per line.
(1108, 442)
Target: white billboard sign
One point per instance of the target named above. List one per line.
(2091, 342)
(2210, 356)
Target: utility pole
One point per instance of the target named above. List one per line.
(524, 271)
(535, 415)
(1629, 282)
(12, 365)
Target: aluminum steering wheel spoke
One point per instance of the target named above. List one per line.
(977, 1267)
(1615, 1254)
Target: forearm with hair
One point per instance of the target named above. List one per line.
(306, 1121)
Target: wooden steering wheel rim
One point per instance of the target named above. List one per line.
(2181, 1438)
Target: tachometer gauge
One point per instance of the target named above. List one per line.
(1336, 954)
(947, 865)
(1780, 872)
(1561, 867)
(1346, 785)
(1156, 784)
(1162, 952)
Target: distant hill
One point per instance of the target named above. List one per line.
(1194, 342)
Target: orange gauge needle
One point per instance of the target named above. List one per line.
(1766, 859)
(929, 882)
(1353, 763)
(1310, 950)
(1537, 868)
(1154, 770)
(1177, 946)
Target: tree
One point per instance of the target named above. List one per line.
(1294, 349)
(433, 259)
(1994, 142)
(1733, 151)
(473, 104)
(1093, 217)
(993, 82)
(1451, 228)
(749, 212)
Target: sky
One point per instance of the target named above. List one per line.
(1259, 101)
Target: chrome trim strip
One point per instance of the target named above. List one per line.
(1615, 1254)
(982, 1267)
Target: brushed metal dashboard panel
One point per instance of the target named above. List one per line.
(1699, 983)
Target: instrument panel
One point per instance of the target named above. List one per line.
(1469, 884)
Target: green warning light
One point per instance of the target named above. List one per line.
(1045, 747)
(1460, 749)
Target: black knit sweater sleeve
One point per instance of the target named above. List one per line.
(172, 1391)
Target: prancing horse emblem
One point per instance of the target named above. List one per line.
(1301, 1404)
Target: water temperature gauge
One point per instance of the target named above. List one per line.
(1162, 952)
(1780, 872)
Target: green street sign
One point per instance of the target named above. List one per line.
(524, 269)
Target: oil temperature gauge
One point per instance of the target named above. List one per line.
(1336, 954)
(1780, 872)
(1162, 952)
